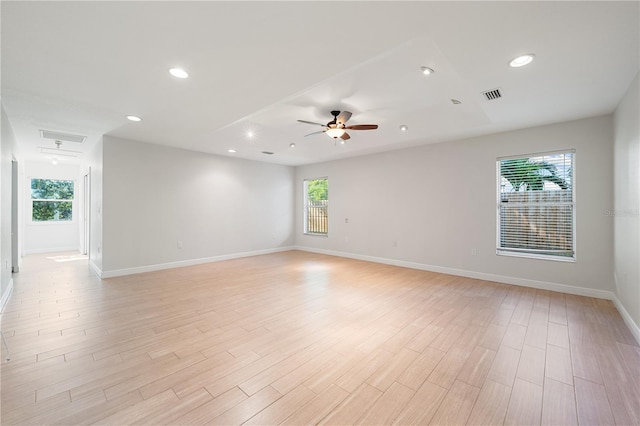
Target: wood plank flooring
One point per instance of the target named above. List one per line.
(298, 338)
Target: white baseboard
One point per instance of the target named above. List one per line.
(633, 327)
(6, 295)
(95, 268)
(541, 285)
(190, 262)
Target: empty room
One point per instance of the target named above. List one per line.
(358, 212)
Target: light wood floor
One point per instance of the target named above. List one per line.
(300, 338)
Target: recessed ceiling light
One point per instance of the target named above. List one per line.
(292, 145)
(456, 102)
(133, 118)
(231, 150)
(521, 61)
(178, 73)
(427, 70)
(404, 128)
(54, 161)
(249, 134)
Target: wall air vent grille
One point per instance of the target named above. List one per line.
(491, 95)
(65, 137)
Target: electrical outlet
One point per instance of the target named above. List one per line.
(346, 220)
(395, 243)
(179, 244)
(474, 252)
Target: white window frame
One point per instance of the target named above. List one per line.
(533, 253)
(52, 222)
(305, 207)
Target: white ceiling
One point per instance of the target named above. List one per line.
(81, 67)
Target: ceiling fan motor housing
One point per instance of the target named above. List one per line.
(334, 123)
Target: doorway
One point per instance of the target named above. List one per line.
(86, 211)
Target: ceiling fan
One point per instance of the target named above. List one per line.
(336, 128)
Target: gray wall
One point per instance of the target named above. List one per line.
(156, 198)
(430, 206)
(626, 217)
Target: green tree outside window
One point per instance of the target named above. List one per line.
(52, 200)
(316, 206)
(317, 189)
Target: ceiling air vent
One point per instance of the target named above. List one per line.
(59, 152)
(491, 95)
(62, 136)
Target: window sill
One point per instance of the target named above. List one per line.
(537, 256)
(52, 222)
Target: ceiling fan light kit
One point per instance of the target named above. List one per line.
(335, 132)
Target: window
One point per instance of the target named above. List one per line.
(51, 200)
(535, 210)
(316, 205)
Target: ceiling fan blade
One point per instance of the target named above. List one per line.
(311, 122)
(343, 117)
(345, 136)
(315, 133)
(362, 127)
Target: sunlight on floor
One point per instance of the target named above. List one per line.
(69, 258)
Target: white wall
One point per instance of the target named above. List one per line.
(438, 202)
(93, 166)
(627, 205)
(47, 237)
(7, 146)
(155, 197)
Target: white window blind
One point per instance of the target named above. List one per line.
(536, 206)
